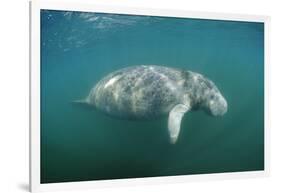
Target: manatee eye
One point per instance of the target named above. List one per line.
(212, 97)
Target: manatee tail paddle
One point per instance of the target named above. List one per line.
(82, 103)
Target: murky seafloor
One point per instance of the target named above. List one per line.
(78, 49)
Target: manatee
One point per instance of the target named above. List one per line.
(147, 92)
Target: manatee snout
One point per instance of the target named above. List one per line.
(217, 105)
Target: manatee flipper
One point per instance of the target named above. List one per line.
(174, 122)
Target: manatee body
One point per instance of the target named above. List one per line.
(148, 91)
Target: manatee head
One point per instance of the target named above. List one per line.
(213, 101)
(204, 94)
(216, 104)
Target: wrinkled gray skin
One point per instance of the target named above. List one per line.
(148, 91)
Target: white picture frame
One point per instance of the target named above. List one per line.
(36, 6)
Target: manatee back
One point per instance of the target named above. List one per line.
(141, 92)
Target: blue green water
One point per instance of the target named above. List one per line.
(78, 49)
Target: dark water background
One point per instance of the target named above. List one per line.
(78, 49)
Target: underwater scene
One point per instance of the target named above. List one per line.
(130, 96)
